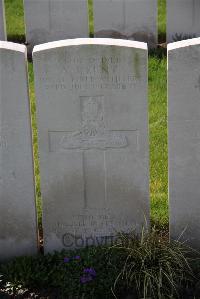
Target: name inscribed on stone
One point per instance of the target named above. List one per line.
(93, 74)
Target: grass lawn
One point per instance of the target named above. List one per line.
(157, 112)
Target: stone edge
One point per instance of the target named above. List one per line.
(90, 41)
(183, 44)
(13, 46)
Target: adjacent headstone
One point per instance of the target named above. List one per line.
(93, 139)
(18, 229)
(184, 139)
(51, 20)
(183, 20)
(126, 19)
(2, 21)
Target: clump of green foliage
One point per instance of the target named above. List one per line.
(154, 268)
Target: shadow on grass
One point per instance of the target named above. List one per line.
(162, 37)
(158, 53)
(17, 38)
(162, 228)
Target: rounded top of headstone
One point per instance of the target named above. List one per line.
(90, 41)
(12, 46)
(183, 44)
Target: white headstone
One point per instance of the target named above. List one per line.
(18, 229)
(126, 19)
(2, 21)
(51, 20)
(93, 139)
(183, 21)
(184, 139)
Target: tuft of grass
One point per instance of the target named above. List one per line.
(154, 268)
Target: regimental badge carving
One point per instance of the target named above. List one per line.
(93, 133)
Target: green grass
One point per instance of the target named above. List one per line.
(91, 18)
(15, 20)
(162, 21)
(158, 139)
(35, 144)
(157, 111)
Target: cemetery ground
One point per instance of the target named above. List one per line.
(145, 267)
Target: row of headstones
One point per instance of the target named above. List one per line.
(92, 113)
(52, 20)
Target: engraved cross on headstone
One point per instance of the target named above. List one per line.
(93, 137)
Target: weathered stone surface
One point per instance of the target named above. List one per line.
(126, 19)
(93, 139)
(18, 229)
(183, 20)
(184, 139)
(2, 21)
(51, 20)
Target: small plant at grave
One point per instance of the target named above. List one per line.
(87, 273)
(154, 268)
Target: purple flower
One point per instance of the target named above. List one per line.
(77, 257)
(84, 279)
(89, 275)
(90, 272)
(66, 260)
